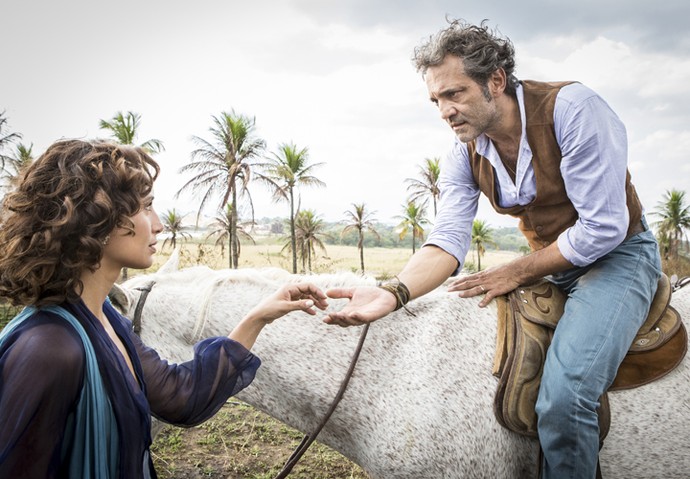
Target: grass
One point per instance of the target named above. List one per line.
(7, 312)
(378, 262)
(242, 442)
(680, 267)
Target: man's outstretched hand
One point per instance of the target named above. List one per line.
(366, 304)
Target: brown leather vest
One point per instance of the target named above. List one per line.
(551, 212)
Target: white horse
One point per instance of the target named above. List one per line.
(419, 404)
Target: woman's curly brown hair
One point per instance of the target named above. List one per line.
(65, 204)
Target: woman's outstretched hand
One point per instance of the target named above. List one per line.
(290, 297)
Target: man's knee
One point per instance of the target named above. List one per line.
(564, 406)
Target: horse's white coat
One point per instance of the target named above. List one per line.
(420, 402)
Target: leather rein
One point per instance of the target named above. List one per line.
(308, 439)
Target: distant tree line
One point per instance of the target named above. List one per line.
(505, 238)
(224, 166)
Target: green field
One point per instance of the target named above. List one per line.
(378, 262)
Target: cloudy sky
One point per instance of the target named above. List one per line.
(333, 76)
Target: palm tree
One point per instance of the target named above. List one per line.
(124, 128)
(223, 167)
(308, 228)
(23, 156)
(413, 219)
(481, 235)
(15, 163)
(429, 172)
(223, 230)
(7, 140)
(360, 221)
(286, 170)
(172, 222)
(675, 219)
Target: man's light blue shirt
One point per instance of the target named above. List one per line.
(593, 144)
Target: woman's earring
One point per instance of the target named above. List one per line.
(105, 240)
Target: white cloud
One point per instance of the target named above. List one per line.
(648, 90)
(335, 78)
(661, 164)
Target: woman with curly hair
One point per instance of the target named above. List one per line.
(77, 386)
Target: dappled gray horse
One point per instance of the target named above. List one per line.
(420, 402)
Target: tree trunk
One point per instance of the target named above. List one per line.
(234, 254)
(229, 250)
(293, 239)
(303, 257)
(361, 250)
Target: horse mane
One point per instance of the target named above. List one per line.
(208, 281)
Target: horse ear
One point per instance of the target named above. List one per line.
(120, 298)
(173, 263)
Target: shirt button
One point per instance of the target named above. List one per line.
(539, 228)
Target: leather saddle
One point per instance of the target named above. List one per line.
(527, 318)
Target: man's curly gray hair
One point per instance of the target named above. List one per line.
(482, 51)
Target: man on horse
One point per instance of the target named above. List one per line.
(553, 155)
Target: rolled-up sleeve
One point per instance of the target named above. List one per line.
(594, 165)
(452, 231)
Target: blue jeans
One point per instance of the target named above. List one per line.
(607, 303)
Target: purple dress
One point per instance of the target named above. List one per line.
(41, 370)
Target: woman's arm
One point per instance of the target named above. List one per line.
(291, 297)
(191, 392)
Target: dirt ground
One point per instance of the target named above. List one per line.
(243, 443)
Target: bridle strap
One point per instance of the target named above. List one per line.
(309, 438)
(136, 320)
